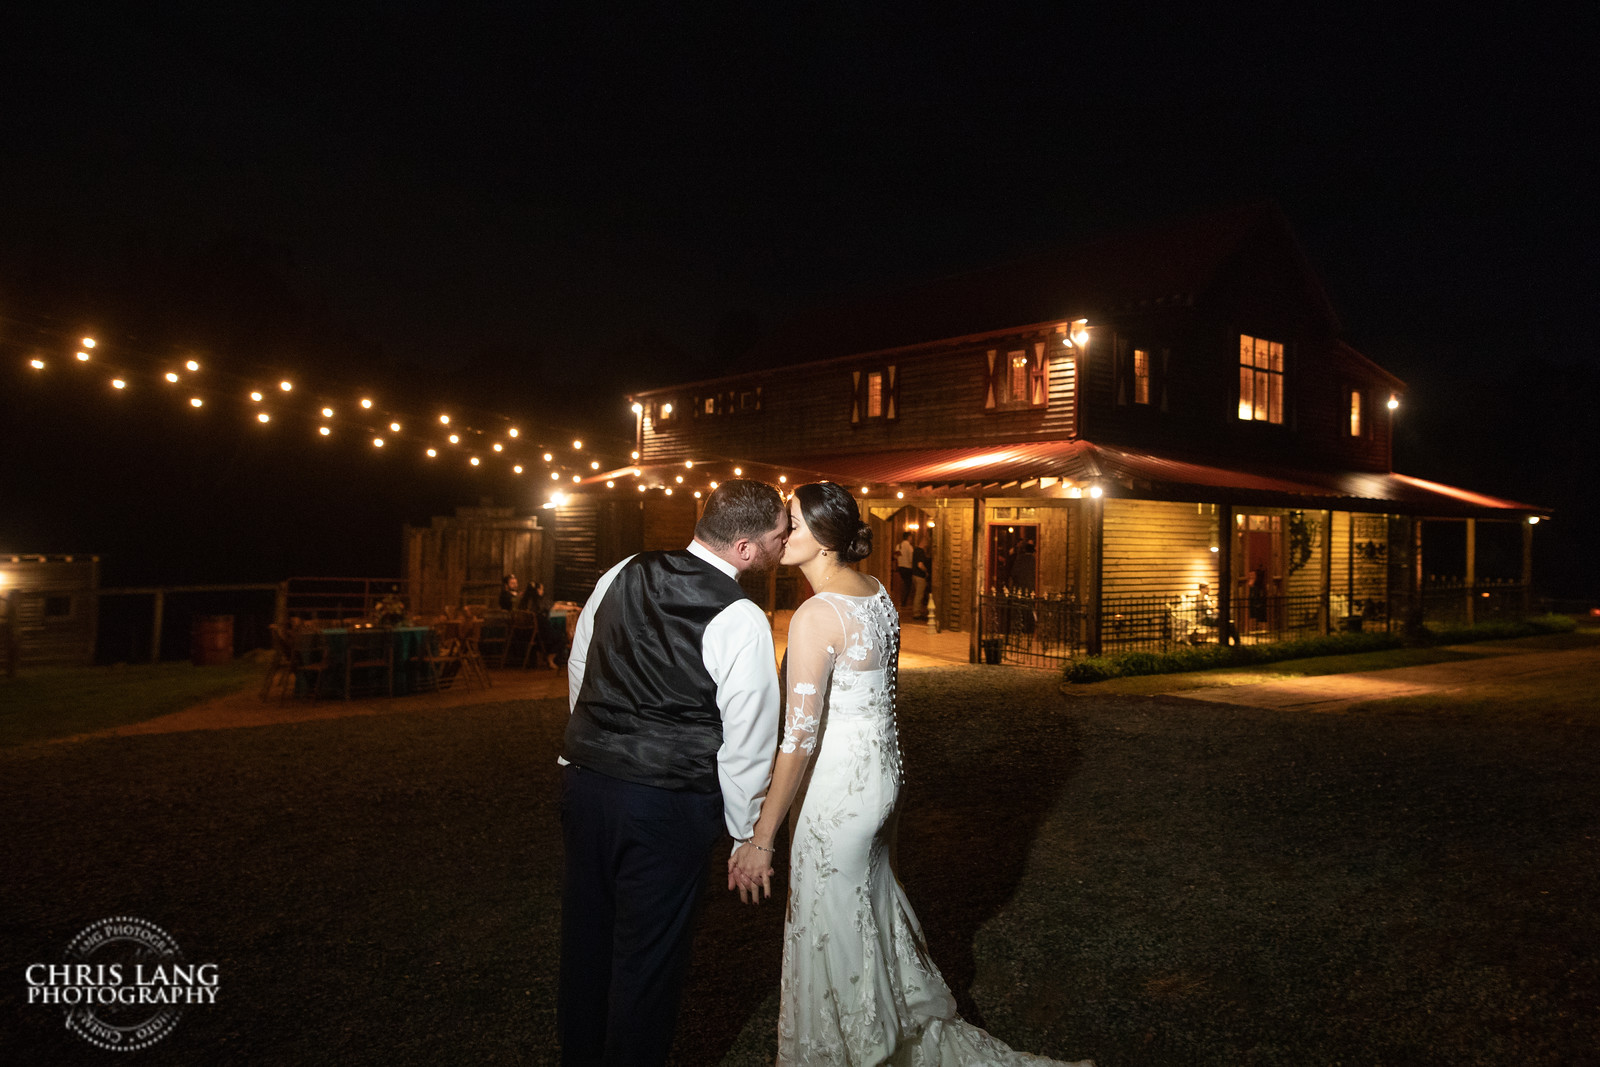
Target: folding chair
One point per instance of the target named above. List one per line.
(369, 661)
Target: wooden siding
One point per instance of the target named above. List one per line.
(805, 409)
(475, 547)
(1156, 548)
(51, 605)
(668, 521)
(1359, 570)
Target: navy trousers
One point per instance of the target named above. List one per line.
(636, 863)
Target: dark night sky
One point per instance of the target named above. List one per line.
(499, 201)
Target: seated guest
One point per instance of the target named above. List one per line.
(508, 592)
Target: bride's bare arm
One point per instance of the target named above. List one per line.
(815, 635)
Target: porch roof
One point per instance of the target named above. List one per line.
(1083, 462)
(1017, 469)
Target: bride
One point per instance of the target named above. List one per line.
(858, 986)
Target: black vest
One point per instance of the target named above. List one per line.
(647, 711)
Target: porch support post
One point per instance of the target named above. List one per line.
(1472, 570)
(1527, 567)
(1225, 574)
(1093, 602)
(1326, 567)
(1416, 619)
(976, 581)
(155, 629)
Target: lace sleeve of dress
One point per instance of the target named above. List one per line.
(815, 635)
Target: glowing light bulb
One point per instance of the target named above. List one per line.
(324, 431)
(635, 456)
(738, 471)
(1096, 492)
(668, 490)
(87, 342)
(83, 357)
(118, 383)
(900, 496)
(666, 409)
(196, 402)
(697, 494)
(394, 427)
(713, 485)
(365, 402)
(555, 476)
(263, 417)
(680, 479)
(548, 457)
(498, 447)
(170, 376)
(576, 478)
(577, 446)
(455, 439)
(594, 465)
(432, 452)
(444, 420)
(256, 397)
(475, 461)
(611, 485)
(1394, 402)
(377, 442)
(640, 488)
(36, 364)
(517, 469)
(689, 463)
(286, 385)
(638, 409)
(512, 432)
(192, 365)
(327, 413)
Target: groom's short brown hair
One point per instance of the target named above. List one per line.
(742, 507)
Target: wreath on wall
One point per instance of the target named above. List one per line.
(1301, 535)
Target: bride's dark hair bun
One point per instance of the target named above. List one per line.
(834, 520)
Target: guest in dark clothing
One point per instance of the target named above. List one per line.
(921, 578)
(508, 592)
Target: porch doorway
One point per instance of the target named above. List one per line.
(1014, 559)
(1257, 570)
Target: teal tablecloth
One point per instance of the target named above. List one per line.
(408, 641)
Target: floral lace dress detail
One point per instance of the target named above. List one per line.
(858, 986)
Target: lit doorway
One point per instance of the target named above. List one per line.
(1014, 559)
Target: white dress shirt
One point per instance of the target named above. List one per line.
(738, 654)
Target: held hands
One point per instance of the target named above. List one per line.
(750, 872)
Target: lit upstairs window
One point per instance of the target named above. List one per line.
(1355, 412)
(1260, 379)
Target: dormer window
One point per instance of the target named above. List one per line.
(874, 395)
(1260, 379)
(1357, 404)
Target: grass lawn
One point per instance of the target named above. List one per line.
(63, 701)
(1388, 659)
(1143, 880)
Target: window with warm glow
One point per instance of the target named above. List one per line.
(1017, 364)
(1018, 378)
(875, 395)
(1260, 379)
(1355, 412)
(1141, 376)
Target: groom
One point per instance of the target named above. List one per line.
(674, 722)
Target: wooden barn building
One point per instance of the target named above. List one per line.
(1168, 422)
(48, 611)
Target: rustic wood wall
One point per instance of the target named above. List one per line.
(465, 556)
(1157, 548)
(54, 608)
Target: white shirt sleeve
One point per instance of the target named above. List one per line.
(738, 654)
(578, 654)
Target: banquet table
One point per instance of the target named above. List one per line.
(407, 643)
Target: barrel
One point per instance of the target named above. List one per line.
(211, 640)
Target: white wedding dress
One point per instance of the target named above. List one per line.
(858, 986)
